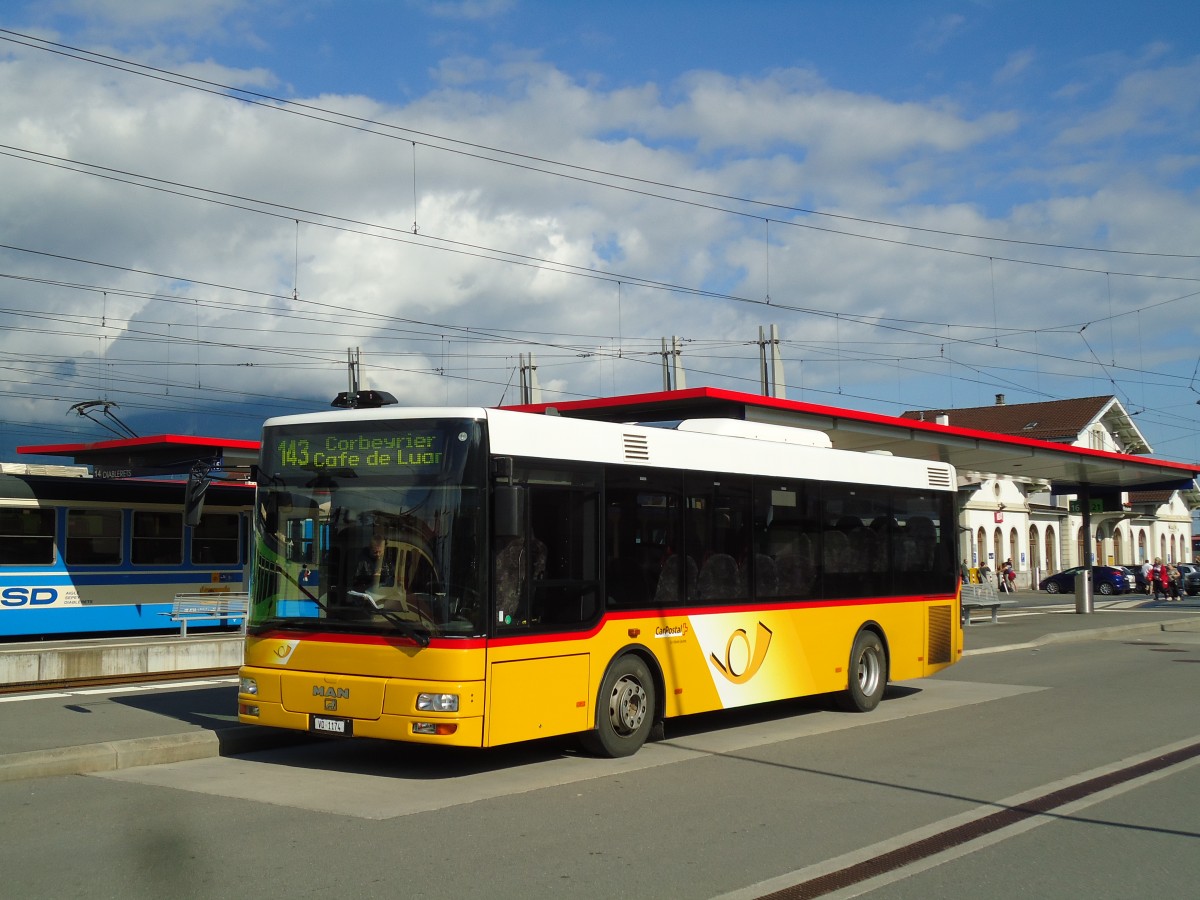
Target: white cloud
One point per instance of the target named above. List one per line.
(1017, 63)
(128, 19)
(408, 300)
(469, 10)
(1145, 102)
(936, 33)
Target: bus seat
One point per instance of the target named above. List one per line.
(719, 578)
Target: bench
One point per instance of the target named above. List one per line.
(975, 596)
(212, 608)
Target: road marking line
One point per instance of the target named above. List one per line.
(17, 697)
(851, 874)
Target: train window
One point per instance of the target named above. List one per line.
(93, 537)
(157, 538)
(26, 537)
(215, 540)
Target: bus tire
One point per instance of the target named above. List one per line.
(868, 674)
(624, 709)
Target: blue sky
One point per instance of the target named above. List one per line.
(935, 202)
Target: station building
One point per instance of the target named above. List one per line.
(1007, 517)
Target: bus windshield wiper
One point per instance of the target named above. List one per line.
(418, 633)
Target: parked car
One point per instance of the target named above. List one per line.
(1137, 581)
(1189, 574)
(1105, 580)
(1132, 574)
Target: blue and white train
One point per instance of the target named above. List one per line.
(88, 556)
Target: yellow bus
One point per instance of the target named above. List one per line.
(477, 577)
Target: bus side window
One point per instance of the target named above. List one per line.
(547, 575)
(644, 522)
(514, 564)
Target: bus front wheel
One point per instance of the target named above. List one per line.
(625, 713)
(867, 674)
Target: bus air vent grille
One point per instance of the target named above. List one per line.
(938, 477)
(940, 619)
(637, 446)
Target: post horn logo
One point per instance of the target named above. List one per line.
(754, 654)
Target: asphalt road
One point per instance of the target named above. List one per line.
(1060, 768)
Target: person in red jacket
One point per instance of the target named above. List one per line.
(1158, 577)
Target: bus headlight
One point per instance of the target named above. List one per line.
(437, 702)
(248, 686)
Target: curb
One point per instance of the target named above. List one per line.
(1090, 634)
(109, 756)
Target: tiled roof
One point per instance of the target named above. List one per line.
(1157, 497)
(1052, 420)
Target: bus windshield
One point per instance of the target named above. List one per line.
(371, 527)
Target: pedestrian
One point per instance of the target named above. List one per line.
(1158, 575)
(1173, 579)
(1007, 576)
(1146, 577)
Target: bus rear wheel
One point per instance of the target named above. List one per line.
(625, 710)
(868, 674)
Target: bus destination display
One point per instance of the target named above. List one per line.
(364, 452)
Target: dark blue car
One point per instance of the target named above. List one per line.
(1105, 580)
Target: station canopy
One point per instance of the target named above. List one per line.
(164, 454)
(1062, 468)
(976, 455)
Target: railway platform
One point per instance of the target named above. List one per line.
(63, 730)
(54, 662)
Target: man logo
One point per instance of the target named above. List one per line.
(751, 657)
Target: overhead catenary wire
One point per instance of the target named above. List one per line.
(838, 319)
(449, 144)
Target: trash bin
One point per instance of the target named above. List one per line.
(1083, 591)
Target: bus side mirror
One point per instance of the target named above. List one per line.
(193, 497)
(506, 507)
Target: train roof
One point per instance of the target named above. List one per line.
(126, 491)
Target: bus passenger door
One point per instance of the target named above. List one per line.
(535, 698)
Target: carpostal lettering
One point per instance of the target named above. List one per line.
(670, 631)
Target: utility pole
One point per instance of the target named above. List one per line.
(531, 391)
(674, 378)
(353, 368)
(771, 378)
(354, 397)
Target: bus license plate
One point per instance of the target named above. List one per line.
(330, 725)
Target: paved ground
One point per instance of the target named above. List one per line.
(102, 729)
